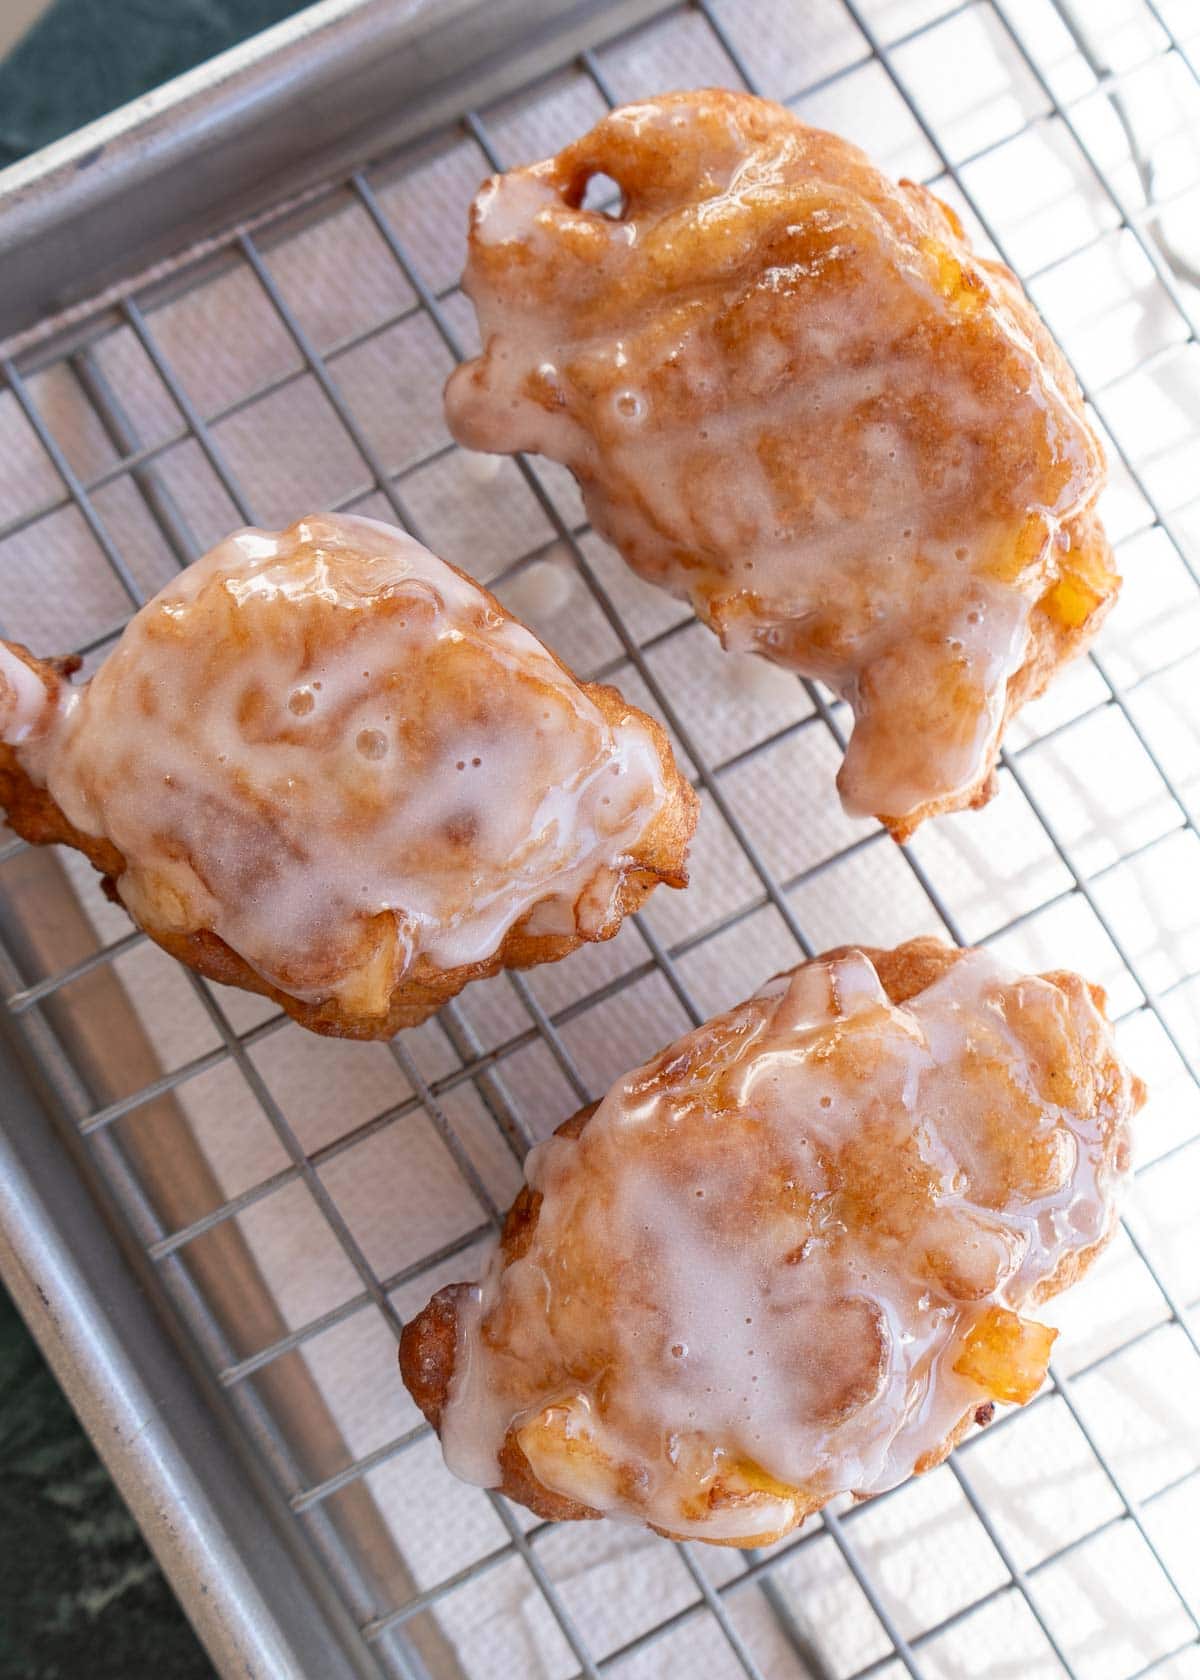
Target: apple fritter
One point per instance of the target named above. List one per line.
(794, 396)
(794, 1255)
(325, 765)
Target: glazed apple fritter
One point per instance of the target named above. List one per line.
(794, 396)
(792, 1256)
(327, 766)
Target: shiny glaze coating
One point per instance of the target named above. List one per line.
(794, 396)
(791, 1256)
(343, 760)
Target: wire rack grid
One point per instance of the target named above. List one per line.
(300, 361)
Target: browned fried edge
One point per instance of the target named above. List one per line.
(659, 857)
(428, 1343)
(1051, 646)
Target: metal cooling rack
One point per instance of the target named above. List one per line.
(149, 449)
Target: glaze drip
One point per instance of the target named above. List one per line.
(26, 704)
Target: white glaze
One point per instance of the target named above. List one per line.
(816, 1162)
(836, 474)
(308, 730)
(542, 589)
(25, 703)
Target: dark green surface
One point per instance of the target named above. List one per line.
(87, 56)
(80, 1596)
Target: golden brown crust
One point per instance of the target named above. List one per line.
(660, 859)
(905, 970)
(1055, 638)
(429, 1341)
(759, 272)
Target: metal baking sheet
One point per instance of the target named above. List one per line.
(261, 1209)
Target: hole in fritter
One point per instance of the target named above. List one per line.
(604, 196)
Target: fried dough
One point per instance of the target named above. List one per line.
(794, 396)
(326, 766)
(793, 1255)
